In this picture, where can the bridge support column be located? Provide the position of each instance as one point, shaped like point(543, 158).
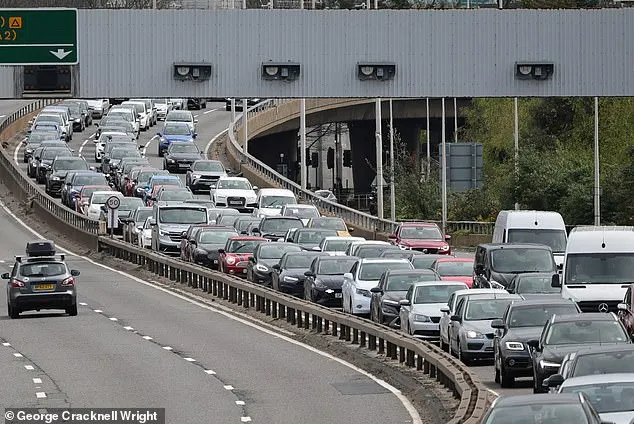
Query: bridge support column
point(409, 131)
point(279, 151)
point(362, 144)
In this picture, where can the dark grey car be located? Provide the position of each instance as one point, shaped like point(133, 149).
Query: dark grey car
point(37, 283)
point(203, 173)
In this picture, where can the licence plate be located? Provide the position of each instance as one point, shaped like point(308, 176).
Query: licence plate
point(183, 165)
point(235, 203)
point(44, 287)
point(338, 295)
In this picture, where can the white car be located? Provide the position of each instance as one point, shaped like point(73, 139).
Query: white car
point(354, 246)
point(100, 144)
point(337, 245)
point(301, 211)
point(163, 107)
point(182, 116)
point(234, 192)
point(271, 200)
point(142, 114)
point(326, 194)
point(145, 236)
point(420, 311)
point(363, 276)
point(97, 200)
point(99, 107)
point(128, 115)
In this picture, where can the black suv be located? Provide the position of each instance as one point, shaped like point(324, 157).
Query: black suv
point(496, 264)
point(41, 280)
point(196, 103)
point(275, 227)
point(522, 321)
point(563, 334)
point(61, 166)
point(180, 156)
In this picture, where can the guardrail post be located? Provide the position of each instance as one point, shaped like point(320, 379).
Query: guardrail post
point(313, 322)
point(306, 320)
point(282, 311)
point(410, 358)
point(362, 340)
point(268, 307)
point(343, 332)
point(355, 336)
point(419, 362)
point(299, 319)
point(292, 316)
point(274, 307)
point(225, 291)
point(401, 354)
point(372, 342)
point(334, 328)
point(381, 346)
point(320, 324)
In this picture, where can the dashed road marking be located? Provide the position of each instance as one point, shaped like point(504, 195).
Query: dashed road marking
point(16, 152)
point(210, 372)
point(83, 145)
point(167, 348)
point(245, 419)
point(190, 359)
point(228, 387)
point(18, 355)
point(113, 319)
point(239, 402)
point(145, 146)
point(2, 116)
point(147, 337)
point(29, 367)
point(40, 395)
point(83, 304)
point(37, 380)
point(98, 311)
point(6, 344)
point(207, 112)
point(128, 328)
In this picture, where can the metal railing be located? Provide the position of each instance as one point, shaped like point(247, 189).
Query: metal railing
point(352, 216)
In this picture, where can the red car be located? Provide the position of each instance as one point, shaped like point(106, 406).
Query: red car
point(84, 194)
point(235, 256)
point(455, 269)
point(424, 237)
point(626, 311)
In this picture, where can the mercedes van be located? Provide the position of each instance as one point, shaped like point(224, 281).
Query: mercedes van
point(598, 267)
point(539, 227)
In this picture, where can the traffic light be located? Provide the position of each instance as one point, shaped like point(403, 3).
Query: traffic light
point(314, 159)
point(330, 158)
point(347, 158)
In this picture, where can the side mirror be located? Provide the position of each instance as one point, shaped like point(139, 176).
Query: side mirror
point(447, 237)
point(456, 318)
point(255, 231)
point(92, 168)
point(392, 236)
point(351, 230)
point(194, 135)
point(554, 380)
point(152, 222)
point(5, 276)
point(479, 269)
point(276, 267)
point(221, 251)
point(347, 276)
point(255, 188)
point(195, 121)
point(212, 187)
point(622, 306)
point(251, 259)
point(193, 242)
point(376, 290)
point(309, 274)
point(74, 272)
point(498, 324)
point(444, 309)
point(534, 344)
point(316, 249)
point(404, 302)
point(555, 282)
point(84, 203)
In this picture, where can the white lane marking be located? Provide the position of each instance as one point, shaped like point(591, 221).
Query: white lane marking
point(37, 380)
point(239, 402)
point(40, 395)
point(196, 116)
point(145, 146)
point(6, 344)
point(2, 261)
point(494, 392)
point(2, 116)
point(212, 110)
point(29, 367)
point(210, 372)
point(245, 419)
point(416, 419)
point(147, 337)
point(83, 145)
point(167, 347)
point(128, 328)
point(18, 355)
point(208, 146)
point(98, 311)
point(83, 304)
point(113, 319)
point(16, 152)
point(190, 359)
point(228, 387)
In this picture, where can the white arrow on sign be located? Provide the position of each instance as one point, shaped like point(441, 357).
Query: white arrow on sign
point(61, 53)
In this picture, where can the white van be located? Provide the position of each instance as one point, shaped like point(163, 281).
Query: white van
point(271, 200)
point(541, 227)
point(598, 267)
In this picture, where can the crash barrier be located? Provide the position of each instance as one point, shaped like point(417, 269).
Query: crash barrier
point(77, 226)
point(352, 217)
point(407, 350)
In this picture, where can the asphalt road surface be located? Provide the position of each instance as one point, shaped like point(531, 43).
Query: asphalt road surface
point(135, 345)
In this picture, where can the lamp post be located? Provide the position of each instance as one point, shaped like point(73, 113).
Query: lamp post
point(302, 137)
point(597, 188)
point(392, 188)
point(444, 170)
point(379, 160)
point(516, 138)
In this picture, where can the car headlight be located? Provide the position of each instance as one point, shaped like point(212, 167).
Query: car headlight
point(421, 318)
point(171, 160)
point(514, 346)
point(444, 248)
point(291, 279)
point(364, 292)
point(162, 139)
point(390, 302)
point(261, 268)
point(29, 150)
point(78, 120)
point(196, 176)
point(163, 233)
point(474, 335)
point(56, 178)
point(404, 247)
point(320, 285)
point(548, 364)
point(231, 260)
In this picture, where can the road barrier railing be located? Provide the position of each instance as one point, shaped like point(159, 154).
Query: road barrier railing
point(397, 346)
point(352, 216)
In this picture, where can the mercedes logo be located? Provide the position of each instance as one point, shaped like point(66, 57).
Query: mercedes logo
point(603, 307)
point(424, 250)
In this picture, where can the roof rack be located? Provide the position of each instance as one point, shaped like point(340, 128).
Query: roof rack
point(60, 257)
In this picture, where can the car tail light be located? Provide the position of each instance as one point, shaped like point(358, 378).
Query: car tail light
point(17, 283)
point(70, 281)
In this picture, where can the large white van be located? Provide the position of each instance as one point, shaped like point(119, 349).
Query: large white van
point(541, 227)
point(598, 267)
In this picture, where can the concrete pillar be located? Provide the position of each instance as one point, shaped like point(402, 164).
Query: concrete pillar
point(363, 151)
point(409, 131)
point(269, 149)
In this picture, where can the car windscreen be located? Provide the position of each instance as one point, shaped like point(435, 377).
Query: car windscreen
point(555, 239)
point(100, 199)
point(124, 153)
point(301, 212)
point(533, 284)
point(183, 148)
point(144, 176)
point(243, 246)
point(66, 164)
point(423, 261)
point(183, 216)
point(86, 192)
point(402, 282)
point(208, 166)
point(243, 224)
point(176, 129)
point(336, 245)
point(518, 260)
point(335, 266)
point(84, 180)
point(604, 268)
point(454, 268)
point(582, 332)
point(607, 397)
point(314, 236)
point(42, 269)
point(130, 203)
point(420, 233)
point(215, 237)
point(373, 271)
point(49, 118)
point(142, 215)
point(279, 225)
point(537, 315)
point(435, 294)
point(179, 116)
point(273, 251)
point(38, 137)
point(330, 224)
point(486, 309)
point(172, 195)
point(166, 181)
point(49, 154)
point(276, 201)
point(234, 185)
point(557, 413)
point(604, 363)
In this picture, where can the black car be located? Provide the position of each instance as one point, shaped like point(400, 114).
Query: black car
point(325, 277)
point(34, 139)
point(275, 227)
point(522, 321)
point(242, 223)
point(425, 261)
point(75, 181)
point(288, 275)
point(310, 238)
point(564, 334)
point(46, 158)
point(180, 156)
point(60, 167)
point(207, 242)
point(203, 173)
point(196, 103)
point(76, 117)
point(392, 288)
point(264, 257)
point(534, 285)
point(565, 408)
point(496, 264)
point(374, 250)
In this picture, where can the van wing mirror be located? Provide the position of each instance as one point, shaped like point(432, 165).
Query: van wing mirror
point(556, 281)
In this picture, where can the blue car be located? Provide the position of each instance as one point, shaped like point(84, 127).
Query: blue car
point(174, 132)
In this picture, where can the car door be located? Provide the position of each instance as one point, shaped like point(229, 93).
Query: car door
point(347, 287)
point(444, 319)
point(478, 267)
point(626, 316)
point(405, 310)
point(454, 326)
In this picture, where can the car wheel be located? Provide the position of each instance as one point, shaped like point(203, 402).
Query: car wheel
point(462, 357)
point(72, 311)
point(14, 313)
point(444, 346)
point(497, 372)
point(506, 380)
point(537, 385)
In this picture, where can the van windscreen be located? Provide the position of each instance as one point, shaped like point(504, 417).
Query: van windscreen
point(602, 268)
point(555, 239)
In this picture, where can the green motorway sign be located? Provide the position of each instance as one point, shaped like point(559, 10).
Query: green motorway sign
point(38, 36)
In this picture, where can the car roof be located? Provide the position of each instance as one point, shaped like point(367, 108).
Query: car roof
point(233, 178)
point(541, 302)
point(439, 283)
point(299, 205)
point(501, 295)
point(268, 218)
point(314, 230)
point(334, 258)
point(114, 193)
point(544, 398)
point(454, 259)
point(325, 218)
point(533, 274)
point(586, 316)
point(352, 239)
point(513, 246)
point(383, 260)
point(595, 379)
point(409, 271)
point(601, 349)
point(418, 224)
point(276, 191)
point(244, 238)
point(479, 291)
